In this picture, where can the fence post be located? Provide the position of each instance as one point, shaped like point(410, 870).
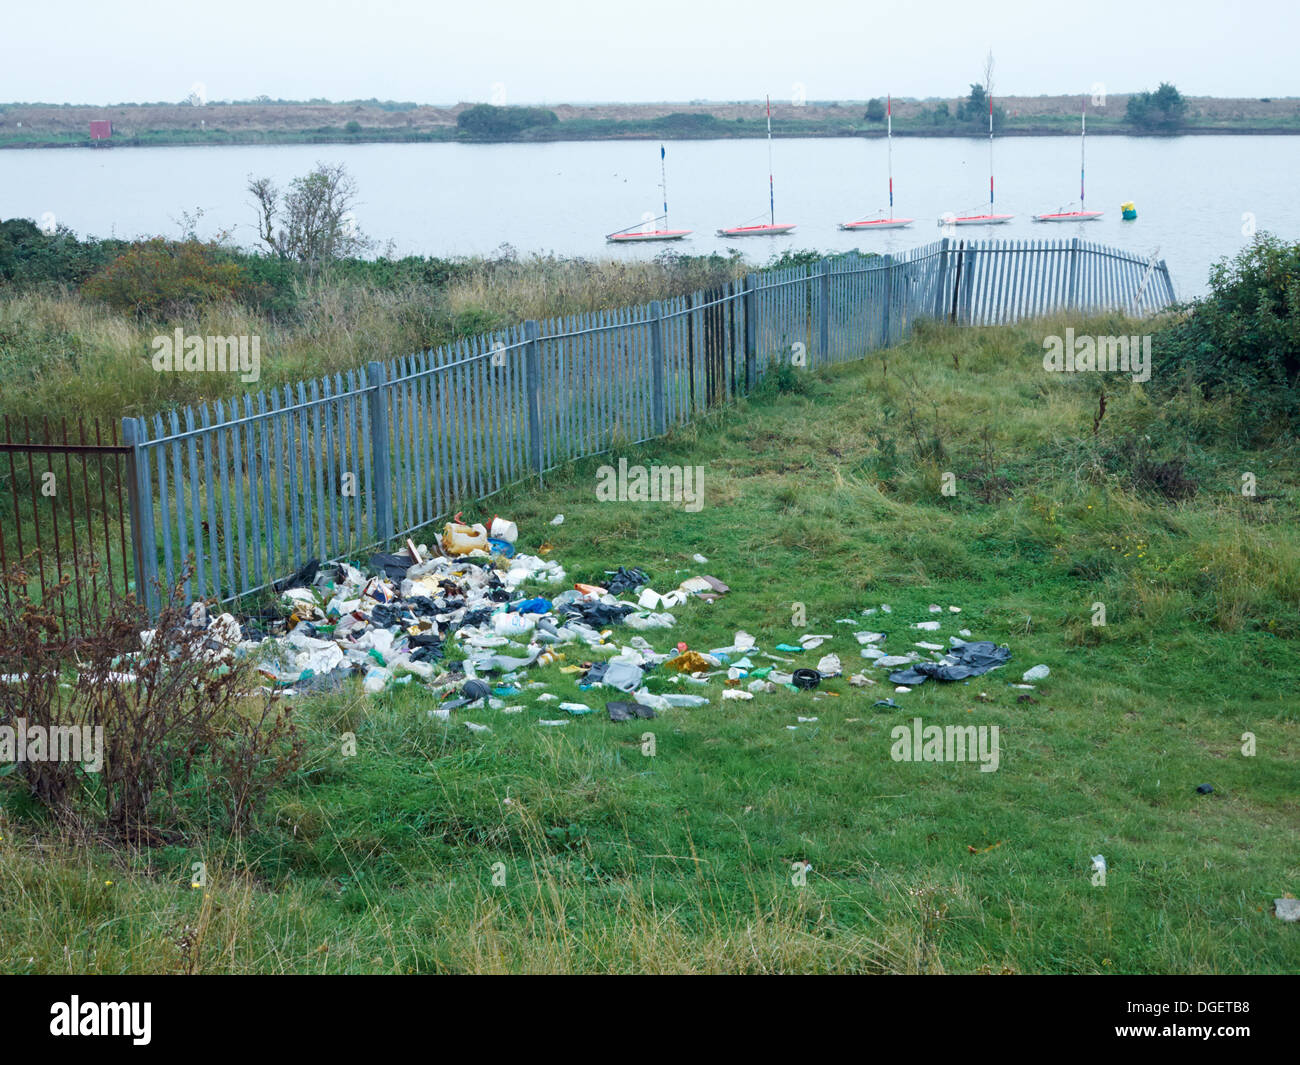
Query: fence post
point(1169, 284)
point(940, 310)
point(533, 384)
point(824, 318)
point(751, 334)
point(658, 388)
point(381, 473)
point(140, 502)
point(886, 323)
point(1072, 294)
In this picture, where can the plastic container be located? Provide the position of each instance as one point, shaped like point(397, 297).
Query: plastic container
point(460, 539)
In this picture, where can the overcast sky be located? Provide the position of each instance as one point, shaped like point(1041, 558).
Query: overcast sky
point(561, 51)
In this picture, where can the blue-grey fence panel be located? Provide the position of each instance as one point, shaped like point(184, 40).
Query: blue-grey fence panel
point(240, 494)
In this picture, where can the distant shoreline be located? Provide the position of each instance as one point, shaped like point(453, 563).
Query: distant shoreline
point(25, 126)
point(218, 140)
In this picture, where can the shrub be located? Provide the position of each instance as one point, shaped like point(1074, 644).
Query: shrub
point(1161, 111)
point(183, 740)
point(158, 278)
point(1243, 338)
point(489, 122)
point(29, 256)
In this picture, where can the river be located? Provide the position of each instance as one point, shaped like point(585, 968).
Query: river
point(1197, 197)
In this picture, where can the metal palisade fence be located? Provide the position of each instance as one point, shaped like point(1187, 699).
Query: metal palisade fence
point(253, 488)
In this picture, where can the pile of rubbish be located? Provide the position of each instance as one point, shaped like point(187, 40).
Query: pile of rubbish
point(467, 617)
point(473, 592)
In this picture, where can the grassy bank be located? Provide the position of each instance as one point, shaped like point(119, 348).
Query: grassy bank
point(64, 354)
point(825, 491)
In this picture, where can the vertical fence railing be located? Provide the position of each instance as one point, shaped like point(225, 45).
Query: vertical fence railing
point(240, 495)
point(67, 502)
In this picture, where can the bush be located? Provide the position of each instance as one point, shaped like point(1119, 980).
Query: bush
point(1243, 339)
point(31, 257)
point(182, 739)
point(158, 278)
point(1161, 111)
point(489, 122)
point(687, 124)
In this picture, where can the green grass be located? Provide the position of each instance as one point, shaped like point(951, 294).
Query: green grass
point(826, 494)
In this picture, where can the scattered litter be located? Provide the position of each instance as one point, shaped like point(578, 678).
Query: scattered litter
point(805, 720)
point(576, 709)
point(968, 660)
point(887, 703)
point(954, 610)
point(1204, 789)
point(1037, 673)
point(558, 519)
point(902, 688)
point(807, 679)
point(676, 699)
point(737, 693)
point(1287, 909)
point(551, 722)
point(474, 726)
point(929, 646)
point(928, 626)
point(829, 666)
point(860, 680)
point(935, 608)
point(692, 662)
point(1099, 864)
point(700, 559)
point(628, 711)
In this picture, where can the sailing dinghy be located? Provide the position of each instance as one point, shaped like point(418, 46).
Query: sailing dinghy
point(772, 228)
point(1082, 214)
point(640, 232)
point(880, 222)
point(990, 218)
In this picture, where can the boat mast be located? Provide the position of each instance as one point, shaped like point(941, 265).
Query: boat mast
point(1083, 141)
point(988, 91)
point(990, 95)
point(889, 141)
point(663, 182)
point(771, 184)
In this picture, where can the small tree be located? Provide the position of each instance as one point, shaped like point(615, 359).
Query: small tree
point(1162, 111)
point(975, 107)
point(317, 209)
point(875, 110)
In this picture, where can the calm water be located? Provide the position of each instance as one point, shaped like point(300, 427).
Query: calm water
point(452, 199)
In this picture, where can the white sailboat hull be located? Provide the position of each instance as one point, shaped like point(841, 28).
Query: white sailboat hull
point(757, 231)
point(876, 223)
point(978, 220)
point(659, 234)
